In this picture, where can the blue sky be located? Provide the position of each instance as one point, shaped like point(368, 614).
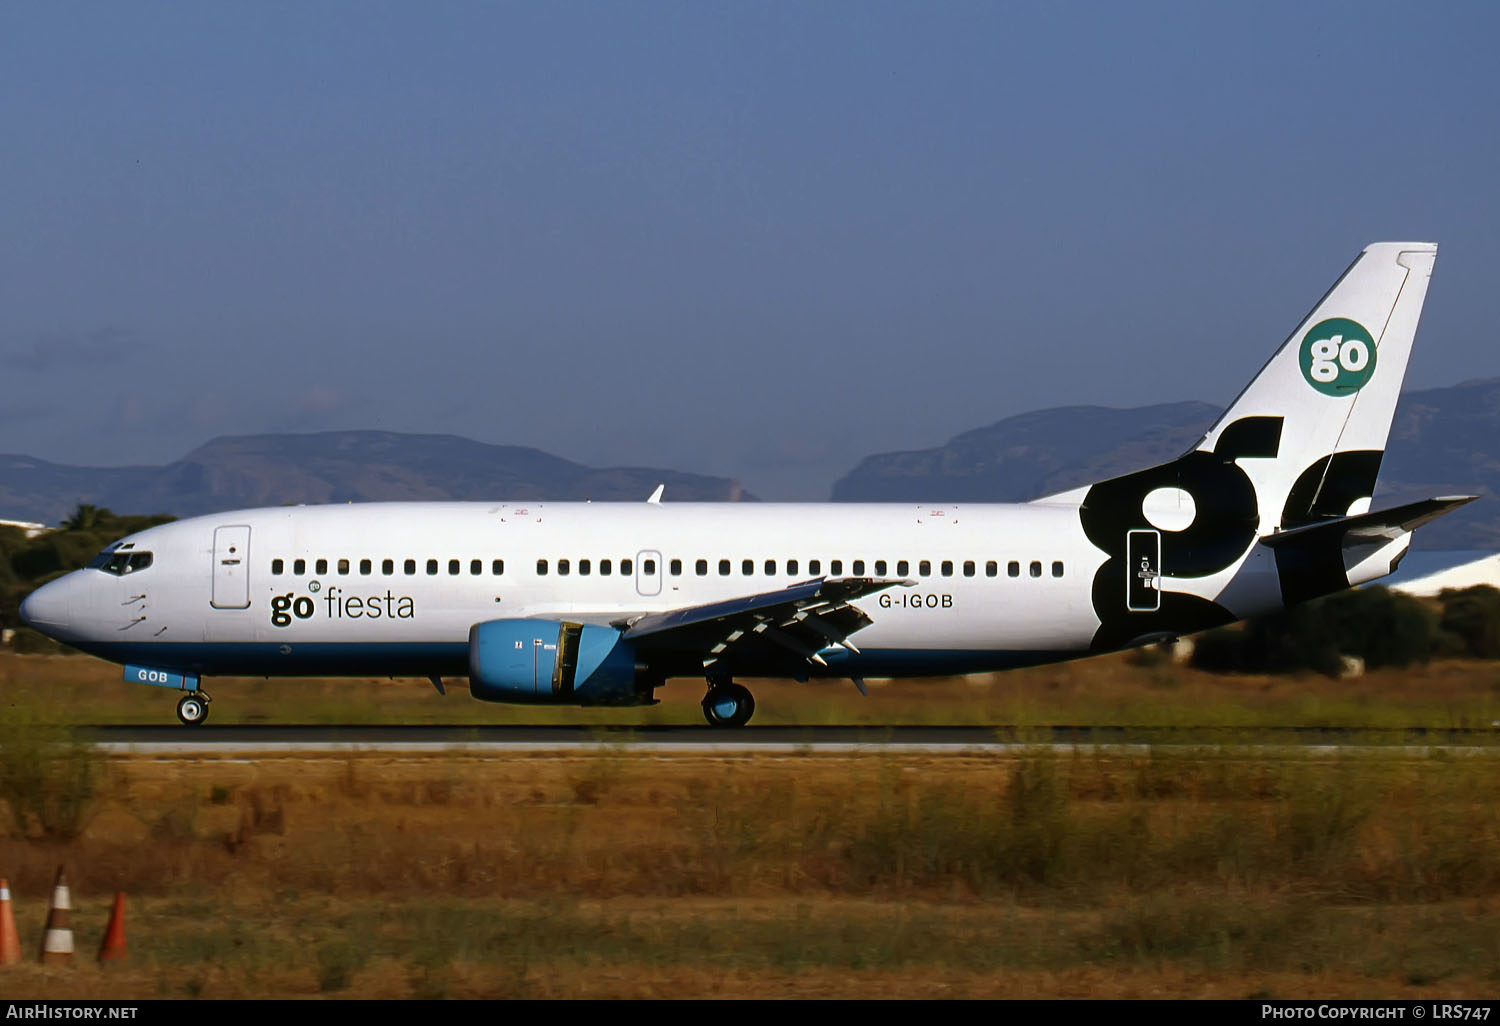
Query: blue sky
point(753, 239)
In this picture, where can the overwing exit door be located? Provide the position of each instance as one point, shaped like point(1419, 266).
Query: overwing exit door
point(648, 573)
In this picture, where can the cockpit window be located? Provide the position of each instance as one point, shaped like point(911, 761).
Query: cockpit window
point(120, 563)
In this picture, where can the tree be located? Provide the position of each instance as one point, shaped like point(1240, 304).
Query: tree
point(86, 517)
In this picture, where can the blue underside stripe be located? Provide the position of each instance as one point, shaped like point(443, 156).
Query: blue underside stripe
point(451, 659)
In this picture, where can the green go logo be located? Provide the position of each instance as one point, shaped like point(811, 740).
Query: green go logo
point(1338, 356)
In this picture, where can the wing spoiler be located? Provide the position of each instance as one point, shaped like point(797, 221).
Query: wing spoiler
point(822, 591)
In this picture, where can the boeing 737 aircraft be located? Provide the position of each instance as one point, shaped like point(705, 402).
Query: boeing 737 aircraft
point(602, 603)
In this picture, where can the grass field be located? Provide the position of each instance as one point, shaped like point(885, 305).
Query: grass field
point(1207, 872)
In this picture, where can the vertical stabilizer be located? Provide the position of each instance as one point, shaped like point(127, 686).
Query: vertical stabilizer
point(1300, 446)
point(1329, 393)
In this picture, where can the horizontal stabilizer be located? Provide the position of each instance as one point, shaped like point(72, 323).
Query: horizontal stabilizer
point(1382, 524)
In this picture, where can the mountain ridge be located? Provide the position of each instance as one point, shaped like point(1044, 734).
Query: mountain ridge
point(1443, 441)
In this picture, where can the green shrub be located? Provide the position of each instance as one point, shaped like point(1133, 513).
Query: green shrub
point(1471, 618)
point(29, 642)
point(48, 777)
point(1382, 627)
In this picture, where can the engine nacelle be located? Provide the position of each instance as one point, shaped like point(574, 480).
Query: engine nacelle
point(552, 662)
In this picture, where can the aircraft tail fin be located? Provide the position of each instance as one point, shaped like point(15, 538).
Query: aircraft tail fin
point(1300, 446)
point(1311, 427)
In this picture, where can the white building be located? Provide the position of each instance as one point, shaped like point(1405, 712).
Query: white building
point(1427, 573)
point(32, 530)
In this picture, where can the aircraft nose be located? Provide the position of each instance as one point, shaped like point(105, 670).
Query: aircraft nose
point(47, 607)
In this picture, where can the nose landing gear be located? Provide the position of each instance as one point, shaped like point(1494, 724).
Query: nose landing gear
point(192, 709)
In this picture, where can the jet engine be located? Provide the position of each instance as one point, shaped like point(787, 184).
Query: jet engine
point(552, 662)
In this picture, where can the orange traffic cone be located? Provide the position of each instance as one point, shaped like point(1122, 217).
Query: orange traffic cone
point(113, 947)
point(57, 941)
point(10, 942)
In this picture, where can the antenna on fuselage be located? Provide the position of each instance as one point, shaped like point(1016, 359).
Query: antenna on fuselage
point(655, 499)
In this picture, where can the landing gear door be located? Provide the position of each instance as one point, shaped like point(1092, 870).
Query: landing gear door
point(231, 567)
point(1143, 571)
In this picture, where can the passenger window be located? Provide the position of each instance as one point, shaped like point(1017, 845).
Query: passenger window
point(1057, 568)
point(299, 567)
point(277, 566)
point(902, 568)
point(388, 566)
point(858, 568)
point(880, 568)
point(1013, 568)
point(625, 568)
point(747, 567)
point(606, 567)
point(815, 567)
point(770, 568)
point(541, 568)
point(968, 568)
point(723, 568)
point(991, 569)
point(321, 566)
point(366, 567)
point(497, 567)
point(476, 567)
point(1036, 568)
point(343, 566)
point(585, 568)
point(924, 568)
point(410, 567)
point(563, 567)
point(791, 567)
point(453, 567)
point(432, 568)
point(649, 567)
point(836, 567)
point(701, 568)
point(676, 567)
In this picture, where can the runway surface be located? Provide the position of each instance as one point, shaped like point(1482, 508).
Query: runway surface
point(267, 738)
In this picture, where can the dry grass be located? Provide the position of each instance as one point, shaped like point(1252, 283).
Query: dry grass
point(620, 874)
point(1208, 873)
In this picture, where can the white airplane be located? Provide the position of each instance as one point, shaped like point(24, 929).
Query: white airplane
point(601, 603)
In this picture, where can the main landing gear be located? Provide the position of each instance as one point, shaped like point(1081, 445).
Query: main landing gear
point(727, 704)
point(192, 709)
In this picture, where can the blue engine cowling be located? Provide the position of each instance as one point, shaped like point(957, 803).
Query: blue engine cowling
point(552, 662)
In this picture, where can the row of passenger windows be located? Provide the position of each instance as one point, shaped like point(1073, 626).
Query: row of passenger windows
point(388, 567)
point(606, 567)
point(857, 567)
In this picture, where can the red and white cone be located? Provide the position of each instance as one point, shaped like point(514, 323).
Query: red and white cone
point(10, 941)
point(57, 941)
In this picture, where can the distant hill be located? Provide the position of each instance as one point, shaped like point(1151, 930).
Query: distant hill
point(337, 466)
point(1030, 455)
point(1444, 441)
